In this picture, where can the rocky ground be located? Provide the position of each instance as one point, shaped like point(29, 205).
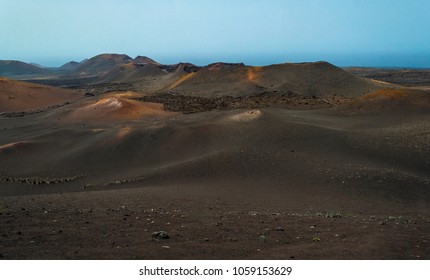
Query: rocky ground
point(194, 104)
point(126, 224)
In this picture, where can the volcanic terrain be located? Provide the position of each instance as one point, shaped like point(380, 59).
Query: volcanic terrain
point(287, 161)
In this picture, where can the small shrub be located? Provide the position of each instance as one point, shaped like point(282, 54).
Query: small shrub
point(333, 215)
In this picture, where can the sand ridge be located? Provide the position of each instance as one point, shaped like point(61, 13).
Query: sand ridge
point(114, 107)
point(246, 116)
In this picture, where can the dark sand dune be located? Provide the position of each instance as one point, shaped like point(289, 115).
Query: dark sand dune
point(216, 181)
point(260, 143)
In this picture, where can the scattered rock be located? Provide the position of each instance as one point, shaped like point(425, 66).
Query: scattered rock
point(160, 235)
point(262, 239)
point(279, 229)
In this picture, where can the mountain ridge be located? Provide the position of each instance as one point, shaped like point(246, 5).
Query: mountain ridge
point(310, 79)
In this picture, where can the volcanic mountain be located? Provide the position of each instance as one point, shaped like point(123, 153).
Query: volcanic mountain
point(11, 68)
point(71, 65)
point(308, 79)
point(102, 63)
point(318, 79)
point(144, 60)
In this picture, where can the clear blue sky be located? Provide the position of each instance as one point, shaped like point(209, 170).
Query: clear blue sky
point(257, 32)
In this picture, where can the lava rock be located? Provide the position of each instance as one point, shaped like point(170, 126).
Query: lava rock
point(262, 239)
point(160, 235)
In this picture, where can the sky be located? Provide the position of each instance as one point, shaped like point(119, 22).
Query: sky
point(385, 33)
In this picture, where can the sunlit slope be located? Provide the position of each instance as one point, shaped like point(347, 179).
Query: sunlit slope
point(15, 95)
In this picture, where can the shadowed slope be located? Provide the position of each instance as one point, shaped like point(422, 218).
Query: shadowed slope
point(11, 68)
point(308, 79)
point(131, 72)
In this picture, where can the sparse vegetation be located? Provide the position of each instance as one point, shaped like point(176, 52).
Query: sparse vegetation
point(333, 215)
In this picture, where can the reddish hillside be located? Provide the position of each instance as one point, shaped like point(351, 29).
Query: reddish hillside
point(102, 63)
point(21, 96)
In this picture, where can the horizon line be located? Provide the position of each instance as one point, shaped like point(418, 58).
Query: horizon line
point(278, 61)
